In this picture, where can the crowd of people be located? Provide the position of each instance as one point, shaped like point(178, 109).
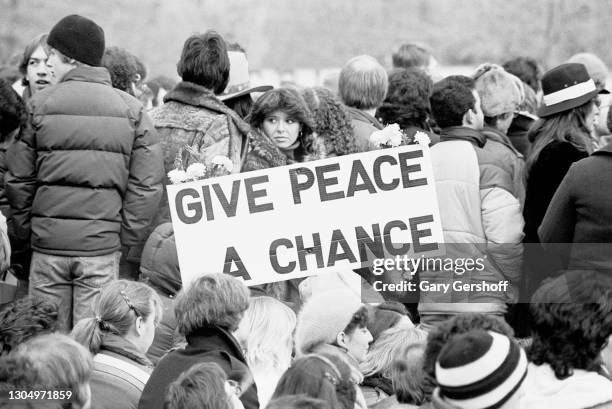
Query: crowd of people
point(88, 147)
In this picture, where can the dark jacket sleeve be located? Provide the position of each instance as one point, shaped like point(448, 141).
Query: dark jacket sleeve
point(144, 187)
point(20, 180)
point(556, 232)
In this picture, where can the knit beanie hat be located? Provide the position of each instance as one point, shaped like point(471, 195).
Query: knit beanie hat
point(480, 370)
point(499, 91)
point(323, 317)
point(78, 38)
point(159, 263)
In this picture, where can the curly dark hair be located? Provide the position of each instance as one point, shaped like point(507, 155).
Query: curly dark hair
point(358, 320)
point(24, 319)
point(289, 101)
point(407, 103)
point(122, 66)
point(527, 69)
point(451, 99)
point(12, 110)
point(332, 122)
point(459, 324)
point(570, 330)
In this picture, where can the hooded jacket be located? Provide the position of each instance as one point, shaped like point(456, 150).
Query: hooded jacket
point(85, 174)
point(481, 220)
point(581, 390)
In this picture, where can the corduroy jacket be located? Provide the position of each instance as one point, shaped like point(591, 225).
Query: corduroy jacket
point(84, 176)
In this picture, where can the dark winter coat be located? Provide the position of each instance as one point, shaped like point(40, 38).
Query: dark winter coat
point(544, 177)
point(84, 177)
point(159, 268)
point(209, 344)
point(580, 214)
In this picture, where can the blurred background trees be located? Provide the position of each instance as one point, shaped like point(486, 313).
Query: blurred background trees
point(290, 34)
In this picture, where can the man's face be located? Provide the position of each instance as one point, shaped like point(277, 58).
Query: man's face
point(477, 114)
point(57, 66)
point(38, 73)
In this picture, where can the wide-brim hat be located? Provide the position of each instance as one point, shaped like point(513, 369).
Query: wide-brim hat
point(566, 87)
point(239, 80)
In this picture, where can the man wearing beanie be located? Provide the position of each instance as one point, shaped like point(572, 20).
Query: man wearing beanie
point(480, 370)
point(84, 177)
point(501, 94)
point(335, 323)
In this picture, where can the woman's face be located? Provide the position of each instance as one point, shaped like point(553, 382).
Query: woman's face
point(282, 129)
point(358, 343)
point(37, 72)
point(593, 115)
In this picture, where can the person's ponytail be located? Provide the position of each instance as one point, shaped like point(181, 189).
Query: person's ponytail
point(88, 332)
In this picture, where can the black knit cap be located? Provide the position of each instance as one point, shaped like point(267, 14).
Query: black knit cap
point(79, 38)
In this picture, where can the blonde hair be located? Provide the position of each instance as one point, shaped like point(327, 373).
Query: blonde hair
point(387, 348)
point(267, 333)
point(116, 310)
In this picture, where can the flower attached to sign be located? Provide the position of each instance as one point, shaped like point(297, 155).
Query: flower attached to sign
point(223, 161)
point(196, 171)
point(392, 136)
point(422, 138)
point(389, 136)
point(177, 176)
point(219, 166)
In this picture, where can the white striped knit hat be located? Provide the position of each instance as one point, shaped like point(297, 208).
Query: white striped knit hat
point(480, 370)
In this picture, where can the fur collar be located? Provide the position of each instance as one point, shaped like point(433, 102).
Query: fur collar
point(196, 95)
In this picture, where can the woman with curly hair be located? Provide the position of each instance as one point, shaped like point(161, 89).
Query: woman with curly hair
point(285, 121)
point(572, 320)
point(407, 102)
point(333, 132)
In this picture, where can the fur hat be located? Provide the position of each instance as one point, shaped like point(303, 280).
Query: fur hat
point(596, 68)
point(480, 369)
point(323, 317)
point(499, 91)
point(78, 38)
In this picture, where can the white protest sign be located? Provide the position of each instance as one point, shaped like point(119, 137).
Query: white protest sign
point(308, 218)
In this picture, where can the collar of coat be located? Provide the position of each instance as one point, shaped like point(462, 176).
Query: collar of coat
point(198, 96)
point(121, 346)
point(214, 338)
point(88, 74)
point(359, 115)
point(606, 150)
point(496, 135)
point(463, 133)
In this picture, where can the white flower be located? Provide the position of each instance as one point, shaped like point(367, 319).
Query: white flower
point(422, 138)
point(378, 138)
point(223, 161)
point(177, 176)
point(390, 135)
point(196, 171)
